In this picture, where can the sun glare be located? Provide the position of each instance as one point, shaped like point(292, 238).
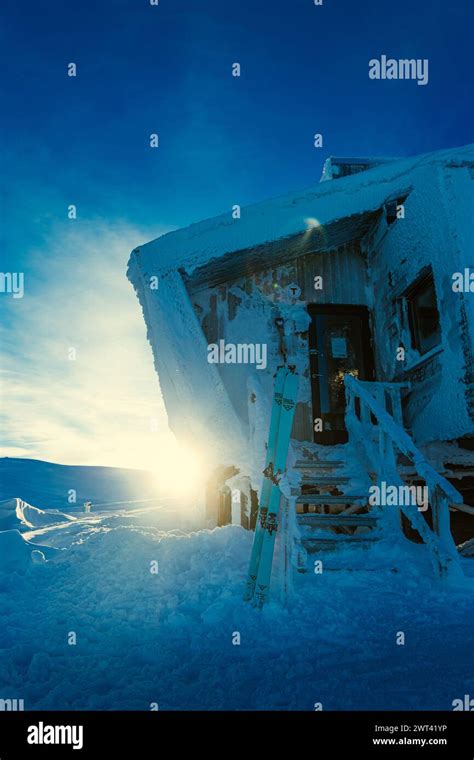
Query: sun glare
point(181, 471)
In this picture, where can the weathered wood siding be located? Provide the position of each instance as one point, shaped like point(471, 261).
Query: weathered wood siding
point(244, 310)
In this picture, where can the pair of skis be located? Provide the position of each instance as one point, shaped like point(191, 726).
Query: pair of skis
point(281, 422)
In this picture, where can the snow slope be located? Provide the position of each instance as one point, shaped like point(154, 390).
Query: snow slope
point(48, 484)
point(167, 637)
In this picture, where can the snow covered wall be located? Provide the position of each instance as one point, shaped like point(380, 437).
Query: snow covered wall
point(435, 233)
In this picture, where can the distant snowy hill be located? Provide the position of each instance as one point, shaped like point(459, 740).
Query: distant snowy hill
point(47, 485)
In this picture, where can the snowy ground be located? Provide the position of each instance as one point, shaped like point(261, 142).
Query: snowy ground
point(167, 637)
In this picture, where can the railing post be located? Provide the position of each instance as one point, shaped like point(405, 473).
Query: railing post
point(350, 409)
point(365, 417)
point(395, 395)
point(379, 393)
point(390, 462)
point(440, 515)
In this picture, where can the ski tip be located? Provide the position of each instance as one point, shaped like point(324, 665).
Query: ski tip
point(258, 601)
point(249, 589)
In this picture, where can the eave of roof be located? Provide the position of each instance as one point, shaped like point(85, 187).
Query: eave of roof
point(287, 216)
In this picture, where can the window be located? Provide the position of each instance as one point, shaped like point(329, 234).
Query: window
point(423, 314)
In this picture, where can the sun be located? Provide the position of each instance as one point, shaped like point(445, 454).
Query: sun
point(181, 470)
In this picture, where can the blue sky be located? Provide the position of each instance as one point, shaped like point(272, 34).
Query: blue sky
point(223, 140)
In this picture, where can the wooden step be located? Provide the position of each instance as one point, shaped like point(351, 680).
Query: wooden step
point(315, 464)
point(321, 499)
point(318, 521)
point(313, 545)
point(324, 480)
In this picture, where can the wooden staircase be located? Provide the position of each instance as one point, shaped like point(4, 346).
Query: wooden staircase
point(325, 513)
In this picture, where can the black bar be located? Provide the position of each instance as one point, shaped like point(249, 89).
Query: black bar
point(151, 734)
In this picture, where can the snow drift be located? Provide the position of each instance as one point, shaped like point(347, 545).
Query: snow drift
point(17, 554)
point(167, 637)
point(16, 513)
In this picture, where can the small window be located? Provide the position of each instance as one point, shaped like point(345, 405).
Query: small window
point(423, 314)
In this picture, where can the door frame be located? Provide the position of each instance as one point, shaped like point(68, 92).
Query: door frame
point(331, 437)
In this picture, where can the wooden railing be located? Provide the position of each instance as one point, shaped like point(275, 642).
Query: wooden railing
point(374, 423)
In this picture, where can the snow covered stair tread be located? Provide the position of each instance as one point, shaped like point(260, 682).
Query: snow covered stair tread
point(318, 520)
point(322, 480)
point(319, 464)
point(322, 498)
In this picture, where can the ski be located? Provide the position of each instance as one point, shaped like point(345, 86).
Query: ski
point(280, 378)
point(287, 414)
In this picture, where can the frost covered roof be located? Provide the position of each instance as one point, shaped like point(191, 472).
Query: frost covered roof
point(334, 165)
point(289, 215)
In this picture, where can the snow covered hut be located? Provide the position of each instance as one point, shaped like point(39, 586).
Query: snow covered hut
point(368, 275)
